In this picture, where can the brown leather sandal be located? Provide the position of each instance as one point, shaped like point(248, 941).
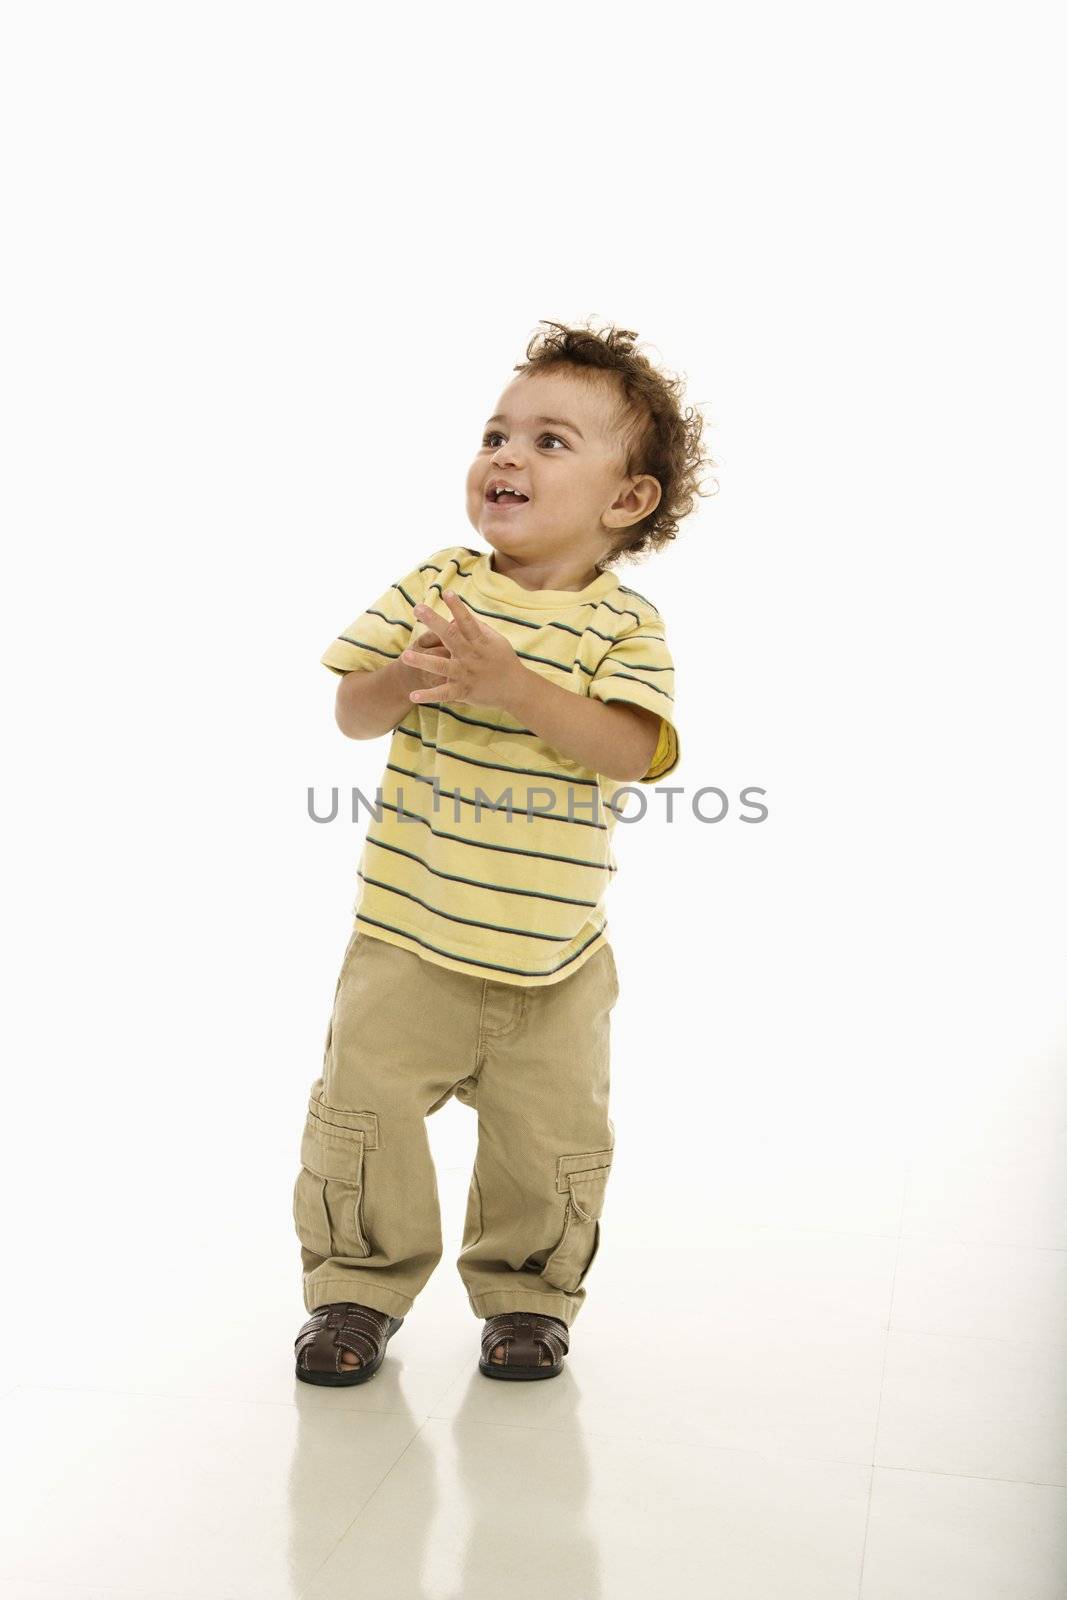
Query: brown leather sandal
point(522, 1334)
point(343, 1326)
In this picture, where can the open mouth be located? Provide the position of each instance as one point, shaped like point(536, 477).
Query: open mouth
point(506, 497)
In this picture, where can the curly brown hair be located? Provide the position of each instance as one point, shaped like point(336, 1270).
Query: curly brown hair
point(656, 435)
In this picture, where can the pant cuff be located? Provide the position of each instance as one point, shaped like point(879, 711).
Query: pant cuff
point(548, 1305)
point(328, 1291)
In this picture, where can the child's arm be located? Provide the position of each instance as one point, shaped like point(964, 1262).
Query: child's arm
point(372, 703)
point(616, 740)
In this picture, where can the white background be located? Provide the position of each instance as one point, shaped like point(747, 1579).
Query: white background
point(267, 270)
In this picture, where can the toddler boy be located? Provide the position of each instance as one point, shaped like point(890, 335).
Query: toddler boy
point(523, 686)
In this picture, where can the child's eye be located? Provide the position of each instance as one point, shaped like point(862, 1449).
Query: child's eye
point(487, 437)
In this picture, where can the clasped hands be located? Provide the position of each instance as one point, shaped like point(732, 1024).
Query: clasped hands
point(476, 663)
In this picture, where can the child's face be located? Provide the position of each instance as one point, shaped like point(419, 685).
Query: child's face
point(571, 470)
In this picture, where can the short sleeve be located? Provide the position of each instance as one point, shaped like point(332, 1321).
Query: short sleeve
point(639, 670)
point(379, 634)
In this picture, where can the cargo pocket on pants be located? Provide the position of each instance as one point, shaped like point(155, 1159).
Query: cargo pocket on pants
point(583, 1179)
point(328, 1196)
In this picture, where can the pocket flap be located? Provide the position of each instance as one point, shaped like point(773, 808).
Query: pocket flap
point(337, 1121)
point(576, 1169)
point(334, 1140)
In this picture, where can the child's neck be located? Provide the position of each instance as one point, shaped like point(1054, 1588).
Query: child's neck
point(494, 566)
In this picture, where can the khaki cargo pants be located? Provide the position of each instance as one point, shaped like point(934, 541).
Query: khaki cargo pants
point(405, 1035)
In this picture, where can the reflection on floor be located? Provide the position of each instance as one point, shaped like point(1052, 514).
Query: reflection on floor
point(842, 1378)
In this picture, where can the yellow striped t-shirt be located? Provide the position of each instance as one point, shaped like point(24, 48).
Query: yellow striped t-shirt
point(445, 872)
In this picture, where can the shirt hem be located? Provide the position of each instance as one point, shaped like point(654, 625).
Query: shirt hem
point(475, 969)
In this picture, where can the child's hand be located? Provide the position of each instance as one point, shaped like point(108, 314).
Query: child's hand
point(428, 644)
point(478, 664)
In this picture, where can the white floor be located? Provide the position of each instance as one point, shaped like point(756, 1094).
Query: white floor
point(851, 1388)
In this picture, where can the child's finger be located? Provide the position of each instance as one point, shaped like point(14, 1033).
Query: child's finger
point(464, 618)
point(428, 662)
point(432, 696)
point(431, 618)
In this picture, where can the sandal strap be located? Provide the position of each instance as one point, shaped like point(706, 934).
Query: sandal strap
point(341, 1326)
point(521, 1332)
